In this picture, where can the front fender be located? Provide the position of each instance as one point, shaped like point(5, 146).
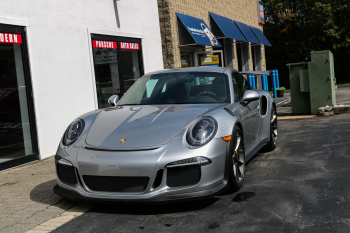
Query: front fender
point(88, 119)
point(226, 119)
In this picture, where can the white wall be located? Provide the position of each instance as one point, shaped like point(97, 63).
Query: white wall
point(59, 53)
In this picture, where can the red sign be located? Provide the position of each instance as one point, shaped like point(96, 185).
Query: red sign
point(10, 38)
point(104, 44)
point(126, 45)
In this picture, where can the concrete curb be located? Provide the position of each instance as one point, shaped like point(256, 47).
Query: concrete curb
point(336, 109)
point(339, 109)
point(62, 219)
point(282, 118)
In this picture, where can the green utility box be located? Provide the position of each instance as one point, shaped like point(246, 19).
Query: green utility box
point(298, 80)
point(312, 84)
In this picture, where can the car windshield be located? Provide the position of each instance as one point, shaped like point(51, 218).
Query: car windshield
point(179, 88)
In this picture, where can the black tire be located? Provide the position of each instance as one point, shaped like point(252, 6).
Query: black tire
point(236, 161)
point(273, 132)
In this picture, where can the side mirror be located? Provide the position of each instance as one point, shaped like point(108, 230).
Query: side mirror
point(250, 96)
point(113, 100)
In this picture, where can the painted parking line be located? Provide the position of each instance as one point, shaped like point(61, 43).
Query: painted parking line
point(283, 101)
point(62, 219)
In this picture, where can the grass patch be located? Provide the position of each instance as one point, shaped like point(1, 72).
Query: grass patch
point(342, 84)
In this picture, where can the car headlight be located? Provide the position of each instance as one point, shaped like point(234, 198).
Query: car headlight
point(202, 131)
point(59, 159)
point(73, 132)
point(203, 161)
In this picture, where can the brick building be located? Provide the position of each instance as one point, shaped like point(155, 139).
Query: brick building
point(241, 53)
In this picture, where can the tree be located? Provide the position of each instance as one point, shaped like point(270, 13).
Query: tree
point(296, 28)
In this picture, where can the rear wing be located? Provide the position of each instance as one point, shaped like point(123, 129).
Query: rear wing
point(268, 73)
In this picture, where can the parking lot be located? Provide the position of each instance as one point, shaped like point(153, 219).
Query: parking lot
point(302, 186)
point(284, 103)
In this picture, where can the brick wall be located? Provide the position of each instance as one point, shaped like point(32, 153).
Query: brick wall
point(245, 11)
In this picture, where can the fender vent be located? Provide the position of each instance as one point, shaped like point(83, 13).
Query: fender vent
point(263, 106)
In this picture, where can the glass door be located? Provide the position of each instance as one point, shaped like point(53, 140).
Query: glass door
point(117, 63)
point(130, 62)
point(209, 58)
point(186, 59)
point(106, 68)
point(16, 117)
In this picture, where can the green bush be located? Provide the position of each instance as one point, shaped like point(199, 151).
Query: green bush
point(280, 88)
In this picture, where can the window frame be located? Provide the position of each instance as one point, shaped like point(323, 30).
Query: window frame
point(117, 39)
point(7, 28)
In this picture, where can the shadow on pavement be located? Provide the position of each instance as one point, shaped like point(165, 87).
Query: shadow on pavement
point(44, 194)
point(154, 209)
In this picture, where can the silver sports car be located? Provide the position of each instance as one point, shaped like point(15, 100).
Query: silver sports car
point(177, 134)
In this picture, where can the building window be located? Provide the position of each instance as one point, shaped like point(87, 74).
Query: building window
point(118, 65)
point(186, 59)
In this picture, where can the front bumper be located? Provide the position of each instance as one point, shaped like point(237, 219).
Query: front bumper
point(144, 163)
point(202, 195)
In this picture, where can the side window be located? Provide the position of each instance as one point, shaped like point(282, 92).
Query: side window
point(238, 85)
point(247, 85)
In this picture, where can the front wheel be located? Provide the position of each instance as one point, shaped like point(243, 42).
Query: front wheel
point(236, 161)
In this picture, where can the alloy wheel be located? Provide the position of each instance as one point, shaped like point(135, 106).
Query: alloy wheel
point(274, 126)
point(238, 159)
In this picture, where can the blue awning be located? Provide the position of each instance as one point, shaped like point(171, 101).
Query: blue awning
point(225, 27)
point(247, 32)
point(194, 31)
point(261, 36)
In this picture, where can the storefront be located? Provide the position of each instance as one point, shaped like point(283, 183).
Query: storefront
point(201, 46)
point(17, 120)
point(230, 37)
point(194, 35)
point(61, 60)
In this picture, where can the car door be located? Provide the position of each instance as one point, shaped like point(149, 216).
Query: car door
point(250, 112)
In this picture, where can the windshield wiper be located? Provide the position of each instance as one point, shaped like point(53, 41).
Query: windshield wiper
point(128, 104)
point(180, 102)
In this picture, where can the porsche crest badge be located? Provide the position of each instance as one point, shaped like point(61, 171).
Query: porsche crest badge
point(123, 140)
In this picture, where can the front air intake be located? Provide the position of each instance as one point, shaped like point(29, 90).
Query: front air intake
point(66, 173)
point(183, 175)
point(116, 183)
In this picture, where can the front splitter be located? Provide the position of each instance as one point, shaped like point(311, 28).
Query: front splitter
point(202, 195)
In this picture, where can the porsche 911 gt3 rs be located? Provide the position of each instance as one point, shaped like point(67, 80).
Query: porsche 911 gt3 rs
point(176, 134)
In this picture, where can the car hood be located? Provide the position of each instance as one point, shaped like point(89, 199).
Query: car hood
point(124, 127)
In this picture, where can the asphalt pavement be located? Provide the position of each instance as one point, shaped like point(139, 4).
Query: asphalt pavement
point(343, 94)
point(302, 186)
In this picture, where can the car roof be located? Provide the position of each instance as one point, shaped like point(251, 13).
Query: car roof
point(192, 69)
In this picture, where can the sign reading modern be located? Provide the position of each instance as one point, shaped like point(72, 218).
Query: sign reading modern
point(10, 38)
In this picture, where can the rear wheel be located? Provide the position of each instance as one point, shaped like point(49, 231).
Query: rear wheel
point(273, 131)
point(236, 161)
